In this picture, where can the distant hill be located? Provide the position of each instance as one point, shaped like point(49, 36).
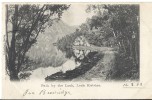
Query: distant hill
point(59, 29)
point(43, 53)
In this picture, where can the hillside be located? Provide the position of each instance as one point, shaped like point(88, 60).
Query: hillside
point(43, 53)
point(59, 29)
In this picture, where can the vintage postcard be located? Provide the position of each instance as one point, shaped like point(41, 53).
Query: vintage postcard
point(77, 51)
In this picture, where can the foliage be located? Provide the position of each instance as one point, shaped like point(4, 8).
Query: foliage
point(121, 22)
point(23, 25)
point(65, 43)
point(114, 26)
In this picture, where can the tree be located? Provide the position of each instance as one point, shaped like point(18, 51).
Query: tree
point(84, 28)
point(125, 24)
point(23, 25)
point(120, 24)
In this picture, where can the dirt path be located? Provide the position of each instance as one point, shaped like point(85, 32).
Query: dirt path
point(103, 70)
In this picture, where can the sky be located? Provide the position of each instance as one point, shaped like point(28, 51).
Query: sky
point(76, 15)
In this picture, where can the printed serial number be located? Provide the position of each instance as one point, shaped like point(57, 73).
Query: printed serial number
point(132, 85)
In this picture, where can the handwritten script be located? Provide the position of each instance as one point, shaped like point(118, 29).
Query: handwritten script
point(47, 92)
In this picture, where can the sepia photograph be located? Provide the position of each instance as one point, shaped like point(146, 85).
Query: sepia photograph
point(72, 42)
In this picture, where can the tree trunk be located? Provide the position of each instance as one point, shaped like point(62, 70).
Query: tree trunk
point(12, 57)
point(14, 76)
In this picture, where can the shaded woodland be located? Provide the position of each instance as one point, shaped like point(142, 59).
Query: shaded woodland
point(115, 26)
